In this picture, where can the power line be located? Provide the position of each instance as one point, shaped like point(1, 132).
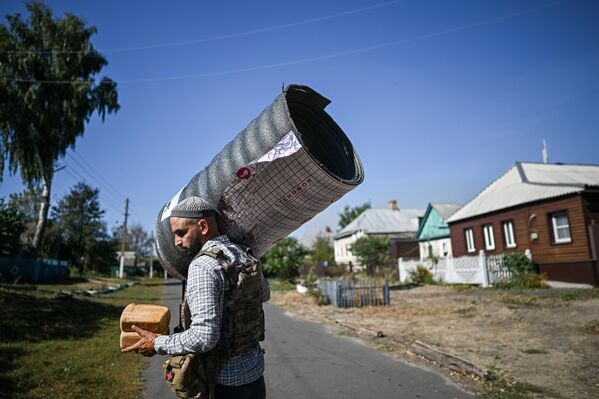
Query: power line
point(116, 197)
point(89, 169)
point(219, 37)
point(77, 177)
point(318, 58)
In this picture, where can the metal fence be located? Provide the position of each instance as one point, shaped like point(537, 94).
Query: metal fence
point(355, 293)
point(33, 270)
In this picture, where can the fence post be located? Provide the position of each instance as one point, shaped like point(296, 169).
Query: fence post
point(482, 263)
point(400, 269)
point(449, 269)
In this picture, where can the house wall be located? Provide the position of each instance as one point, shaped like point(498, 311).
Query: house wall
point(437, 248)
point(342, 251)
point(563, 262)
point(403, 248)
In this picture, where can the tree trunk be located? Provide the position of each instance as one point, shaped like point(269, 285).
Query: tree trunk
point(42, 218)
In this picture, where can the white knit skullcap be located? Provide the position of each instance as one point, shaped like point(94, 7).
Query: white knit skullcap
point(193, 207)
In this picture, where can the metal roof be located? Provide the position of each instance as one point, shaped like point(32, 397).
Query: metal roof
point(446, 210)
point(384, 221)
point(527, 182)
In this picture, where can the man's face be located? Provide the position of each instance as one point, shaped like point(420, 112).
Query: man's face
point(188, 235)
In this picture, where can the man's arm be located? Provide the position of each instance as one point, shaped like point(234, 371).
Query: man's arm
point(205, 290)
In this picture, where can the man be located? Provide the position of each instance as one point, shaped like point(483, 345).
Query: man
point(194, 224)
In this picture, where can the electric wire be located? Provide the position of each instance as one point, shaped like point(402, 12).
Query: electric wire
point(312, 59)
point(219, 37)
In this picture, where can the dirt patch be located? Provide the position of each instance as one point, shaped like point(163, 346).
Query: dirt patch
point(540, 343)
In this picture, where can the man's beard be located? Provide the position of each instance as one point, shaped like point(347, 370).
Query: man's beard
point(191, 252)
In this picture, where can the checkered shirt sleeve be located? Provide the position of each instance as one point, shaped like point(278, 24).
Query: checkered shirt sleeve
point(205, 290)
point(205, 296)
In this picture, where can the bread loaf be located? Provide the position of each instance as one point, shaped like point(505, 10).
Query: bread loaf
point(153, 318)
point(129, 338)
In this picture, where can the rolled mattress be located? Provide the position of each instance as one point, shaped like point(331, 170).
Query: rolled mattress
point(285, 167)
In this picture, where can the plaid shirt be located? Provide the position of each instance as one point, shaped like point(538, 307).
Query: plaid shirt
point(205, 296)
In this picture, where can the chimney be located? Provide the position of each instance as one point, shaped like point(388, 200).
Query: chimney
point(393, 205)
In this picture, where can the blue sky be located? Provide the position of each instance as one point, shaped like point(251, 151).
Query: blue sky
point(438, 97)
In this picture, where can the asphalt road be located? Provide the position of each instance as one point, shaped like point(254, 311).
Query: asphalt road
point(308, 360)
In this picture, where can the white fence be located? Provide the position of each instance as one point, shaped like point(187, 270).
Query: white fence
point(481, 269)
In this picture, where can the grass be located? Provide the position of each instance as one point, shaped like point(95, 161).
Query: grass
point(279, 284)
point(67, 348)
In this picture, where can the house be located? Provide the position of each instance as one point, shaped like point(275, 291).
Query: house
point(433, 234)
point(550, 209)
point(400, 225)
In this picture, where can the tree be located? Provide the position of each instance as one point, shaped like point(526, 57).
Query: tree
point(137, 239)
point(284, 258)
point(349, 214)
point(371, 251)
point(48, 91)
point(28, 203)
point(322, 250)
point(77, 231)
point(13, 223)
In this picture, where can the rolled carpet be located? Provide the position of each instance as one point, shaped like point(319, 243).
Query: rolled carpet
point(285, 167)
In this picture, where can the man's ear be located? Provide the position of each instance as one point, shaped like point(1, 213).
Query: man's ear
point(204, 226)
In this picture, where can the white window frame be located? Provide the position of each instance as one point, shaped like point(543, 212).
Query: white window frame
point(489, 237)
point(508, 234)
point(444, 249)
point(556, 228)
point(469, 233)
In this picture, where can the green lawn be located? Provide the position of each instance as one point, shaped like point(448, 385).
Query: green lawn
point(54, 348)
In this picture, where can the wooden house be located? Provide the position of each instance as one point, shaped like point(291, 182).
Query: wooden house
point(550, 209)
point(433, 235)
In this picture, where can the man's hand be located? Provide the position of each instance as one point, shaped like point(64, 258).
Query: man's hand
point(145, 345)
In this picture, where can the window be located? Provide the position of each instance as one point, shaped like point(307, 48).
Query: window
point(469, 240)
point(489, 238)
point(444, 248)
point(508, 234)
point(560, 227)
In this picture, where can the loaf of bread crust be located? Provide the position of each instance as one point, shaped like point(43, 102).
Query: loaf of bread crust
point(153, 318)
point(129, 338)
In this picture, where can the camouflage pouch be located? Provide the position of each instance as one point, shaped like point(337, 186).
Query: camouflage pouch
point(186, 376)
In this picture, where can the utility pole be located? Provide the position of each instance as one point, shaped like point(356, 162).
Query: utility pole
point(122, 265)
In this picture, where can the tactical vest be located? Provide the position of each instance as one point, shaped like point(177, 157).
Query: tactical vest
point(242, 323)
point(242, 327)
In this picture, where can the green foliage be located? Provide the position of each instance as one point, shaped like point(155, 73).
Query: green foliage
point(12, 224)
point(68, 349)
point(421, 276)
point(523, 273)
point(77, 231)
point(518, 263)
point(28, 203)
point(322, 250)
point(371, 251)
point(280, 285)
point(284, 258)
point(349, 214)
point(525, 280)
point(48, 91)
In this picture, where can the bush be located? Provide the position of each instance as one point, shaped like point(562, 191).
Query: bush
point(518, 263)
point(523, 273)
point(421, 276)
